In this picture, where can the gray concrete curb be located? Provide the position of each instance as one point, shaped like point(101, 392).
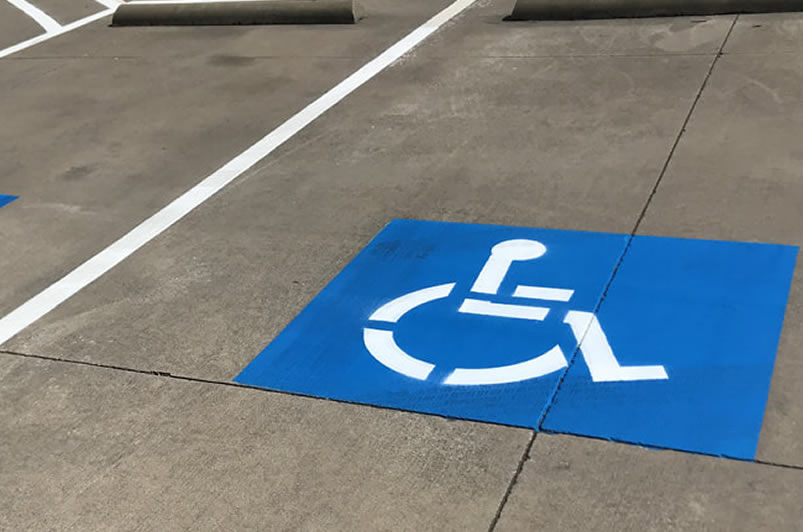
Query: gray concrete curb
point(602, 9)
point(233, 13)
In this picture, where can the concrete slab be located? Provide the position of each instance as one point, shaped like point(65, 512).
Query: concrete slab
point(66, 11)
point(16, 26)
point(103, 175)
point(101, 449)
point(736, 176)
point(124, 135)
point(571, 483)
point(493, 37)
point(544, 142)
point(767, 34)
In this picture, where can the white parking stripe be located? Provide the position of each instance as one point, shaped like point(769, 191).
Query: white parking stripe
point(61, 31)
point(503, 310)
point(158, 2)
point(43, 19)
point(543, 292)
point(111, 4)
point(96, 266)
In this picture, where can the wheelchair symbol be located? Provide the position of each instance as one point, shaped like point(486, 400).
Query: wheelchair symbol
point(592, 342)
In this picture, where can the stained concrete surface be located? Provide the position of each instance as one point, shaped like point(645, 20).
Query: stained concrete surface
point(101, 177)
point(95, 143)
point(580, 484)
point(767, 34)
point(16, 26)
point(490, 36)
point(96, 449)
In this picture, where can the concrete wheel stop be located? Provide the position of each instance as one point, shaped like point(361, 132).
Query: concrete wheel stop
point(242, 12)
point(610, 9)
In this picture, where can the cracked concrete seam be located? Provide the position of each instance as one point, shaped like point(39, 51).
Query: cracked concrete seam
point(642, 214)
point(231, 384)
point(513, 481)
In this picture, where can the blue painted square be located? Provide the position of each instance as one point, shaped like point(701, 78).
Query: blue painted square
point(5, 199)
point(342, 346)
point(505, 324)
point(711, 314)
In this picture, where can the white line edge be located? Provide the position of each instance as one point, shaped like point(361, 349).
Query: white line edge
point(392, 311)
point(543, 293)
point(48, 23)
point(111, 4)
point(5, 52)
point(503, 310)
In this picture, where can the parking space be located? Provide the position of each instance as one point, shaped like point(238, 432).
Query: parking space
point(122, 396)
point(120, 127)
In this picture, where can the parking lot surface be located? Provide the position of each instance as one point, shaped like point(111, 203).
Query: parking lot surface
point(118, 408)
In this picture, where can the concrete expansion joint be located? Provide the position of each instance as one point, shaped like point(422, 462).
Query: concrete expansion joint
point(525, 457)
point(793, 467)
point(576, 351)
point(230, 384)
point(154, 373)
point(513, 481)
point(641, 217)
point(683, 129)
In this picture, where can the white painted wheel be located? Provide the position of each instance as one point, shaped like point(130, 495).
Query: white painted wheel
point(383, 347)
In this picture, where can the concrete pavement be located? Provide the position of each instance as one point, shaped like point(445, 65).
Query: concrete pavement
point(15, 26)
point(572, 483)
point(128, 419)
point(100, 449)
point(66, 11)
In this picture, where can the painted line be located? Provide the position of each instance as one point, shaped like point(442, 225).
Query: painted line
point(503, 310)
point(5, 199)
point(70, 284)
point(503, 255)
point(550, 362)
point(599, 357)
point(48, 23)
point(383, 348)
point(543, 292)
point(392, 311)
point(5, 52)
point(170, 2)
point(111, 4)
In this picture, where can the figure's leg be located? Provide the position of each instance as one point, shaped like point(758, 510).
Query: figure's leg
point(599, 356)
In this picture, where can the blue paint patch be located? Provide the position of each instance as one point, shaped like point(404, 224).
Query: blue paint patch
point(5, 199)
point(484, 322)
point(323, 351)
point(711, 314)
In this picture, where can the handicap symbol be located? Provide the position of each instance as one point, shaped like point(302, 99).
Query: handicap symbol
point(592, 342)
